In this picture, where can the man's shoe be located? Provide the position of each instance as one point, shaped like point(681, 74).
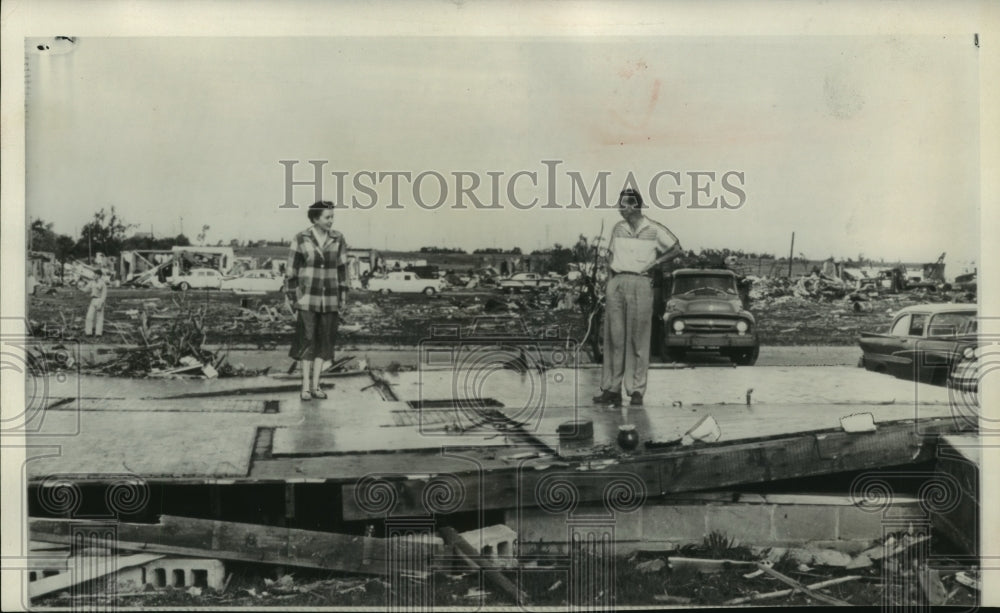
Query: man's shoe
point(636, 399)
point(607, 398)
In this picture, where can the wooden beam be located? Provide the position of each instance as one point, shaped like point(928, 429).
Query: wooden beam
point(779, 593)
point(699, 467)
point(795, 585)
point(235, 541)
point(468, 554)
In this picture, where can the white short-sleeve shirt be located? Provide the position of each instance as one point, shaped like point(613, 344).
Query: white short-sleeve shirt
point(635, 250)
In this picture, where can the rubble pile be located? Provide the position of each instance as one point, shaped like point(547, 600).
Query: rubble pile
point(173, 349)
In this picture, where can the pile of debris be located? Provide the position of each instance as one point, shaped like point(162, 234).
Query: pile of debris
point(174, 350)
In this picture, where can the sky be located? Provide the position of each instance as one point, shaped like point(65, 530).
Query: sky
point(858, 144)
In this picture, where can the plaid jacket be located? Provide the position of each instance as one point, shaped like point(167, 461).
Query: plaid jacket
point(317, 274)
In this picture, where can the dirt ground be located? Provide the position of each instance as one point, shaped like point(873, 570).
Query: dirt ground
point(399, 320)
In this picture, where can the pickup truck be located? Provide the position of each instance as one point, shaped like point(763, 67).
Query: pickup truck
point(703, 311)
point(923, 343)
point(528, 281)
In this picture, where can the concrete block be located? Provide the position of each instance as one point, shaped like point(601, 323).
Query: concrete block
point(498, 543)
point(683, 523)
point(175, 573)
point(805, 522)
point(534, 524)
point(747, 523)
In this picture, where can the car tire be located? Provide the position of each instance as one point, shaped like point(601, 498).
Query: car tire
point(385, 290)
point(429, 291)
point(675, 354)
point(746, 357)
point(183, 286)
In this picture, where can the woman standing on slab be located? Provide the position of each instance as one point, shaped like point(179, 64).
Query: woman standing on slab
point(316, 286)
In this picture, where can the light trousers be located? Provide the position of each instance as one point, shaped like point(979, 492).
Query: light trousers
point(95, 319)
point(628, 322)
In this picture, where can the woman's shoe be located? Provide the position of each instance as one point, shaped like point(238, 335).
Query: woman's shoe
point(318, 394)
point(306, 396)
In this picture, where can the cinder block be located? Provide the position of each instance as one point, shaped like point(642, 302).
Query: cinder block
point(674, 523)
point(534, 524)
point(177, 573)
point(747, 523)
point(805, 522)
point(497, 542)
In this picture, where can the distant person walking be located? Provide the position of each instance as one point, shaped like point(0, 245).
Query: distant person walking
point(638, 244)
point(98, 287)
point(316, 286)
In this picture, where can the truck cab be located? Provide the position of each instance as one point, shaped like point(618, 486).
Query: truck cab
point(703, 310)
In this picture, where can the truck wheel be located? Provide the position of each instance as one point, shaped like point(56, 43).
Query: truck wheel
point(429, 291)
point(184, 286)
point(746, 357)
point(675, 354)
point(385, 290)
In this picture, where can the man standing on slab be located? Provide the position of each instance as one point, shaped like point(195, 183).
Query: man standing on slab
point(638, 245)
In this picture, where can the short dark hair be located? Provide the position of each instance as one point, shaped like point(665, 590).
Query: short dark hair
point(317, 209)
point(99, 272)
point(632, 194)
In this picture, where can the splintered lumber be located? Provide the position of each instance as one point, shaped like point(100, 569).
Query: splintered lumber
point(87, 570)
point(778, 594)
point(468, 555)
point(798, 587)
point(225, 540)
point(688, 469)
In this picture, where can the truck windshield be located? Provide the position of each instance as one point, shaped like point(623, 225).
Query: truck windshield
point(709, 283)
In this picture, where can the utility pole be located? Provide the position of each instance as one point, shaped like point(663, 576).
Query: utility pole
point(791, 250)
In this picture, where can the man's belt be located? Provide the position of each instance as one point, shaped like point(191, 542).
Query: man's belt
point(636, 274)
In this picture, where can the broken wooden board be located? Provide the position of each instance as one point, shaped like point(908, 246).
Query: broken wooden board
point(698, 467)
point(247, 542)
point(80, 570)
point(142, 443)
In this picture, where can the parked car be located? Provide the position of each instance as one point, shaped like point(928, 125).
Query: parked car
point(528, 281)
point(197, 278)
point(964, 376)
point(405, 282)
point(924, 342)
point(261, 280)
point(703, 311)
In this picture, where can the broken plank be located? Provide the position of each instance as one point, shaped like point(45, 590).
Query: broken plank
point(468, 555)
point(801, 455)
point(795, 585)
point(618, 484)
point(81, 570)
point(779, 593)
point(237, 541)
point(678, 470)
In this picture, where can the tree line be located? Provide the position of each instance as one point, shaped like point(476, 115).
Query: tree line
point(105, 233)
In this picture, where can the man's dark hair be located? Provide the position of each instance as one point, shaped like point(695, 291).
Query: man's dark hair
point(630, 193)
point(317, 209)
point(99, 272)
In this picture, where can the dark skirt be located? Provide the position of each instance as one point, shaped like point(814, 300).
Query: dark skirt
point(315, 334)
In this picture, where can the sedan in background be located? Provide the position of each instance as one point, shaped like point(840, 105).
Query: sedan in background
point(197, 278)
point(924, 342)
point(254, 281)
